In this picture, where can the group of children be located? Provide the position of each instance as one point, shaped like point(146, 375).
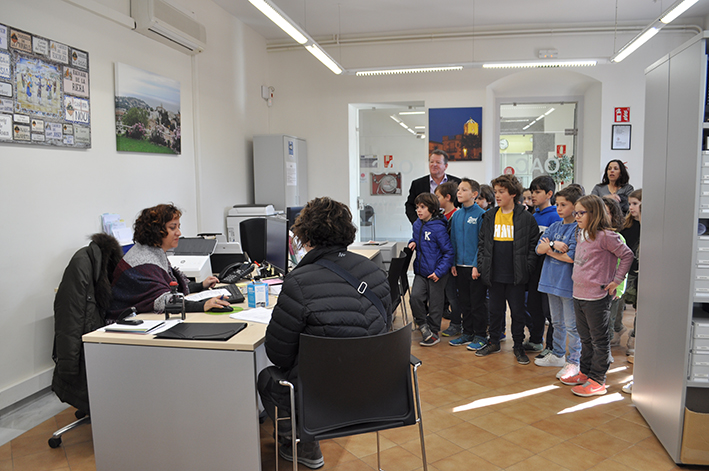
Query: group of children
point(562, 263)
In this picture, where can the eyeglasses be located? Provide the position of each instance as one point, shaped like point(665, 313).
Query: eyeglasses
point(579, 214)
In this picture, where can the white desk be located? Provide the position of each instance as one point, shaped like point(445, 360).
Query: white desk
point(174, 405)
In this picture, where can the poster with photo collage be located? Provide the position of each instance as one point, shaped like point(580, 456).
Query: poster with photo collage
point(44, 91)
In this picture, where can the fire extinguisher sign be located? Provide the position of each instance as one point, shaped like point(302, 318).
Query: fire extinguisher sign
point(622, 115)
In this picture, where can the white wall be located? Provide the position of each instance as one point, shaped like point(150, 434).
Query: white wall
point(52, 198)
point(311, 102)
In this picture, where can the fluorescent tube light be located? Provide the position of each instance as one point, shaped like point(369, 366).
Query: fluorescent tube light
point(549, 112)
point(674, 12)
point(414, 70)
point(323, 57)
point(635, 43)
point(544, 63)
point(412, 112)
point(420, 127)
point(282, 21)
point(395, 118)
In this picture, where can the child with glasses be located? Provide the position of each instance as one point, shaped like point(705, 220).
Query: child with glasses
point(596, 276)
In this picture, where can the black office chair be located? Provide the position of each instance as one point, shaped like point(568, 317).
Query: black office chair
point(396, 266)
point(253, 238)
point(367, 219)
point(407, 253)
point(80, 306)
point(345, 388)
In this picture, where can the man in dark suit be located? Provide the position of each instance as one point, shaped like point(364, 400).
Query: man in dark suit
point(437, 165)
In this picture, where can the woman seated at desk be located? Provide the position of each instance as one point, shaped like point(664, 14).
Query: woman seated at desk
point(142, 278)
point(317, 301)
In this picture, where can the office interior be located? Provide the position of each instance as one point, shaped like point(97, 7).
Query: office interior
point(53, 197)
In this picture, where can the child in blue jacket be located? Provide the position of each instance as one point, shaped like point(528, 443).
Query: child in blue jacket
point(434, 258)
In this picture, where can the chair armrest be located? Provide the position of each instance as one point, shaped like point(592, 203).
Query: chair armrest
point(415, 361)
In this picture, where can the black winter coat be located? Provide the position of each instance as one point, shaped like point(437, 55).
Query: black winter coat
point(316, 301)
point(525, 243)
point(80, 306)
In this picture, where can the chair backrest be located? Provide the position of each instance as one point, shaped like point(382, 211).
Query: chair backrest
point(354, 385)
point(253, 238)
point(365, 215)
point(395, 267)
point(404, 275)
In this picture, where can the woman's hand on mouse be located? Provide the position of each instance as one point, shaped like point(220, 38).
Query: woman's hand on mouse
point(217, 302)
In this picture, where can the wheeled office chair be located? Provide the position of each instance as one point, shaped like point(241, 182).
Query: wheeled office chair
point(348, 386)
point(80, 306)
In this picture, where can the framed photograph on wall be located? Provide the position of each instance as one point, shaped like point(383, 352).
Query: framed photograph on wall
point(621, 137)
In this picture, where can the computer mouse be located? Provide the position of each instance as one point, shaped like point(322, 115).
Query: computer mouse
point(222, 309)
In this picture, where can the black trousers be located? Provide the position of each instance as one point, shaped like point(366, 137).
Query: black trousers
point(592, 319)
point(500, 295)
point(538, 308)
point(472, 299)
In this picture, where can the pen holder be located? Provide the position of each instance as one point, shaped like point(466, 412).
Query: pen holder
point(175, 305)
point(257, 294)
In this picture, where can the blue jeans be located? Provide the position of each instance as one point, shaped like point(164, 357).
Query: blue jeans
point(563, 318)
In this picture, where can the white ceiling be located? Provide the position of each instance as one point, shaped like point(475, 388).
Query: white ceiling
point(368, 18)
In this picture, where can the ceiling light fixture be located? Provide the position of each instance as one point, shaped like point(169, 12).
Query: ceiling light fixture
point(541, 64)
point(282, 20)
point(411, 112)
point(675, 10)
point(410, 70)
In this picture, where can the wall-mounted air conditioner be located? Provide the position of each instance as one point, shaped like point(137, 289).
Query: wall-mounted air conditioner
point(163, 22)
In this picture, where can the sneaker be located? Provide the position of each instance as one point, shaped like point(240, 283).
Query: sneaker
point(544, 353)
point(589, 388)
point(488, 349)
point(615, 341)
point(569, 369)
point(631, 346)
point(532, 347)
point(425, 331)
point(521, 357)
point(477, 343)
point(309, 454)
point(627, 388)
point(503, 337)
point(574, 380)
point(452, 330)
point(461, 341)
point(550, 360)
point(431, 341)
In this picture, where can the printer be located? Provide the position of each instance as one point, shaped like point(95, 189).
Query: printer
point(192, 257)
point(241, 212)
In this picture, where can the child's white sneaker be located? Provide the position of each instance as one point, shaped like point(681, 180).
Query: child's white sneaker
point(569, 369)
point(550, 360)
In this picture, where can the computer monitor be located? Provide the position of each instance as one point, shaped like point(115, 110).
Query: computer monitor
point(292, 212)
point(277, 243)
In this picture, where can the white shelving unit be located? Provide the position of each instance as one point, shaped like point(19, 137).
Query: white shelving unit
point(674, 265)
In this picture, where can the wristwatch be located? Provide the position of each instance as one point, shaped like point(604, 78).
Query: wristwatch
point(551, 245)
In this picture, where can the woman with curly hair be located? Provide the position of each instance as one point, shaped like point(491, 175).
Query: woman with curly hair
point(142, 278)
point(615, 182)
point(315, 300)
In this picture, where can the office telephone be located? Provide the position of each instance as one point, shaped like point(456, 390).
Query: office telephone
point(235, 272)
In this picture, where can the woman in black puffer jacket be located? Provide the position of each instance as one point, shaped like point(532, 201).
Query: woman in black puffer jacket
point(315, 300)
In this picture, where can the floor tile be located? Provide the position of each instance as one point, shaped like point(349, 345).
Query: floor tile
point(501, 452)
point(572, 456)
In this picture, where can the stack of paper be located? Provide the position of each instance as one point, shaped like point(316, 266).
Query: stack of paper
point(145, 327)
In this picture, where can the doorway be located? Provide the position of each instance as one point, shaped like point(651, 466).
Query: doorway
point(390, 149)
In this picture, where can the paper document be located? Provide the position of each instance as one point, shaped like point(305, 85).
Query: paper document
point(144, 327)
point(259, 314)
point(208, 293)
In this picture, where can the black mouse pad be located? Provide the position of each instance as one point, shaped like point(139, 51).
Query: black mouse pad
point(203, 331)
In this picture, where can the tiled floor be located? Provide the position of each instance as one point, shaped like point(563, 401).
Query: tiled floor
point(509, 417)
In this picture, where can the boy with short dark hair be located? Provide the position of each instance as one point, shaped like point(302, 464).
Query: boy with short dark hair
point(506, 257)
point(465, 236)
point(559, 244)
point(545, 214)
point(434, 257)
